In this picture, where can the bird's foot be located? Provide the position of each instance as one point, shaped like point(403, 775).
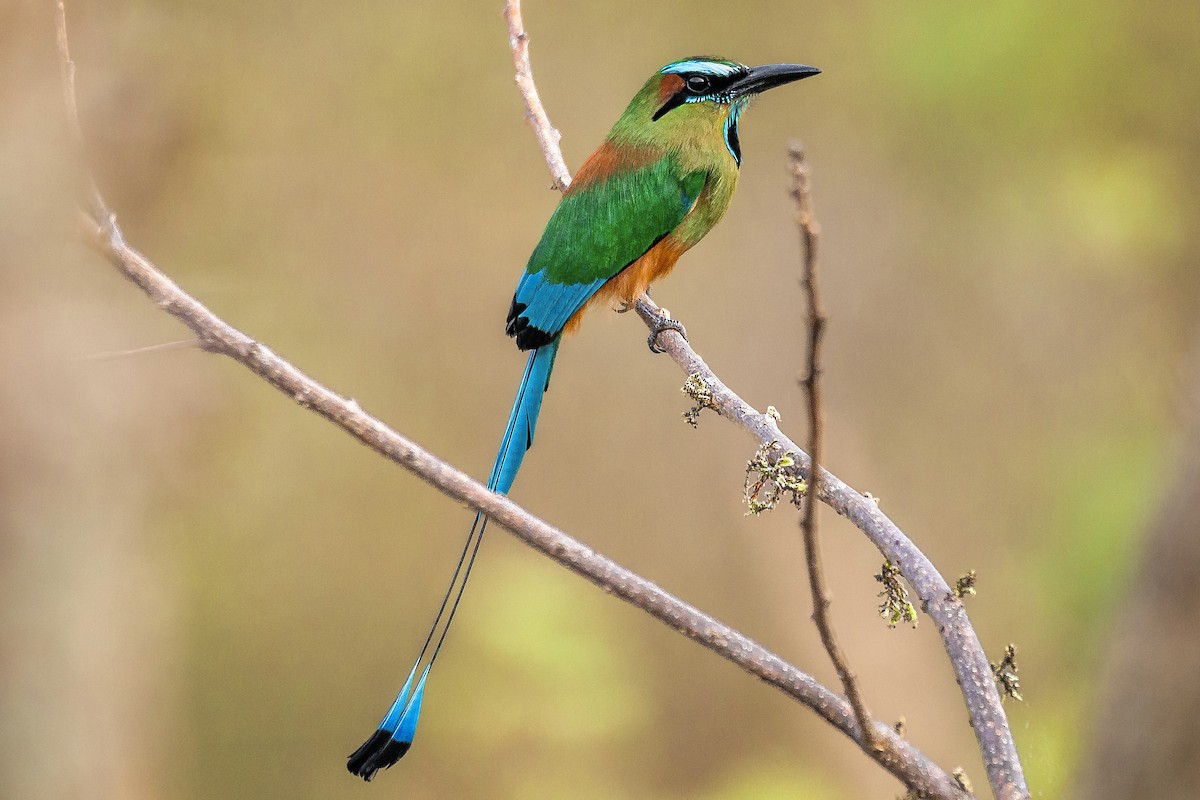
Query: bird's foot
point(630, 305)
point(663, 322)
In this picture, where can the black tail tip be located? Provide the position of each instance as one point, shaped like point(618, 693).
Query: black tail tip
point(379, 752)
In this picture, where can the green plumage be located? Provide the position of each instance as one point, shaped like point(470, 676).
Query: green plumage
point(663, 177)
point(598, 231)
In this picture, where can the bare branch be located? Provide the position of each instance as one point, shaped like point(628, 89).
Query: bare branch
point(983, 704)
point(903, 760)
point(547, 135)
point(95, 202)
point(962, 645)
point(971, 666)
point(899, 757)
point(809, 232)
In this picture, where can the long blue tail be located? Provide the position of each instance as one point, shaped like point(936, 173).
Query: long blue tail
point(395, 734)
point(522, 422)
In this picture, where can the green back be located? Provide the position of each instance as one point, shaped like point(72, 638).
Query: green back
point(602, 228)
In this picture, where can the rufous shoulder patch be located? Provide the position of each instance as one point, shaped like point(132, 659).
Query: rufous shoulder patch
point(608, 160)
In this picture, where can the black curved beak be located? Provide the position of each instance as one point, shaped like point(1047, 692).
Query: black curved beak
point(768, 76)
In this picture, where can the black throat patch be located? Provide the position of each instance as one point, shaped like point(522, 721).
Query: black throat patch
point(732, 141)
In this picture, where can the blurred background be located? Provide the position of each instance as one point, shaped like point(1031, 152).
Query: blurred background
point(206, 591)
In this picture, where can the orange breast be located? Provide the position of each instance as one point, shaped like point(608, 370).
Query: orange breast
point(630, 283)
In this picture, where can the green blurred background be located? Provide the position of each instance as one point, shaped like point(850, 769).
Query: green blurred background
point(207, 592)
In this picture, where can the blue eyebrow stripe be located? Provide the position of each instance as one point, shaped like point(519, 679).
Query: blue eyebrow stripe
point(716, 68)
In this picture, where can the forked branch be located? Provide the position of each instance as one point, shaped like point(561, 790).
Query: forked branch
point(909, 765)
point(971, 666)
point(217, 336)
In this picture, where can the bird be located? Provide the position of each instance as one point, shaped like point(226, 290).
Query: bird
point(662, 178)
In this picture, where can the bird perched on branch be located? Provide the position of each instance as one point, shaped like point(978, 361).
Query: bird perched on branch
point(654, 188)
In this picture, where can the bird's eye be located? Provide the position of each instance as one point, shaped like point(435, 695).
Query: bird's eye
point(697, 84)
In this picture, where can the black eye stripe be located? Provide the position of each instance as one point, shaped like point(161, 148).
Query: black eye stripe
point(715, 84)
point(714, 87)
point(674, 101)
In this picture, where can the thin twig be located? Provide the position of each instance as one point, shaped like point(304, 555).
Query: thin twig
point(95, 202)
point(903, 760)
point(971, 666)
point(112, 355)
point(809, 233)
point(547, 135)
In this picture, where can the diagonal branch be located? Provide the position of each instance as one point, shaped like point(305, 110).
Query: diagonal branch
point(816, 424)
point(966, 654)
point(215, 335)
point(900, 758)
point(547, 135)
point(971, 667)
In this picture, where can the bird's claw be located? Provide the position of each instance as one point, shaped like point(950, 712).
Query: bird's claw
point(663, 322)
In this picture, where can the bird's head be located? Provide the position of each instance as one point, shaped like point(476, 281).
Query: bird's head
point(693, 96)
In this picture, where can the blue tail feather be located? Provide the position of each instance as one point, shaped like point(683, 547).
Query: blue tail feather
point(408, 722)
point(392, 719)
point(395, 734)
point(522, 421)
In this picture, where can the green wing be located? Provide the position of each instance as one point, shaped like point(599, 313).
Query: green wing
point(597, 231)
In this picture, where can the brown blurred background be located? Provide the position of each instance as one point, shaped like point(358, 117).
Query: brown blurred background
point(207, 592)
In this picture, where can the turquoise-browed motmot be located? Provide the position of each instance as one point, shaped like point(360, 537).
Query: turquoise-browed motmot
point(658, 184)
